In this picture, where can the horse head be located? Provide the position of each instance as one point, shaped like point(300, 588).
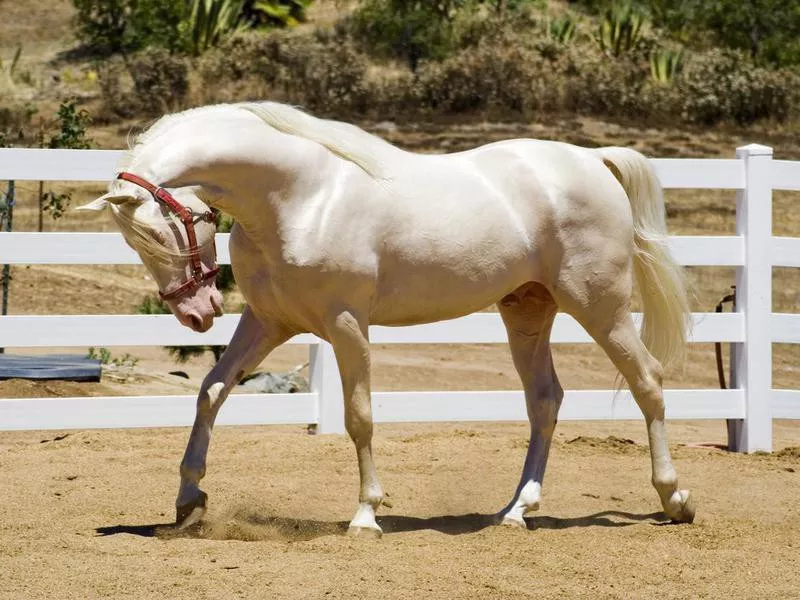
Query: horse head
point(173, 233)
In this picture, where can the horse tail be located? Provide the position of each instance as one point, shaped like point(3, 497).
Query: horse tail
point(661, 281)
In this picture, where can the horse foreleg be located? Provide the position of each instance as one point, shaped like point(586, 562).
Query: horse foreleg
point(350, 342)
point(250, 343)
point(528, 315)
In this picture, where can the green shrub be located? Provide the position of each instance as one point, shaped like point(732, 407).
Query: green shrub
point(391, 93)
point(406, 30)
point(243, 56)
point(600, 85)
point(160, 81)
point(111, 26)
point(16, 124)
point(124, 26)
point(504, 79)
point(724, 85)
point(325, 73)
point(116, 90)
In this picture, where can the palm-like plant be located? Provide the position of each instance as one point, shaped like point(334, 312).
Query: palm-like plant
point(665, 64)
point(7, 72)
point(279, 13)
point(562, 29)
point(210, 21)
point(621, 27)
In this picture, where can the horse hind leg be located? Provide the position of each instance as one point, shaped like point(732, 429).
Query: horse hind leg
point(528, 314)
point(608, 320)
point(350, 340)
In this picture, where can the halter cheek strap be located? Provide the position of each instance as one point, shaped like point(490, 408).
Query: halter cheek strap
point(187, 218)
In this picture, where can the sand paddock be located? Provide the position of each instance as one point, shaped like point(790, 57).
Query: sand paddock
point(83, 514)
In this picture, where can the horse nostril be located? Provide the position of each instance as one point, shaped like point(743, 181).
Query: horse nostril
point(196, 322)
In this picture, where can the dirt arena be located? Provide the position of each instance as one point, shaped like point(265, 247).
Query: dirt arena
point(84, 514)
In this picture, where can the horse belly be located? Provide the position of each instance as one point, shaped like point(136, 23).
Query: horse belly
point(412, 294)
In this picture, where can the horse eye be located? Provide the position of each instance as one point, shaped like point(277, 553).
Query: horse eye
point(159, 237)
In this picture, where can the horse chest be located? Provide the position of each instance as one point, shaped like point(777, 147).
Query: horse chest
point(296, 288)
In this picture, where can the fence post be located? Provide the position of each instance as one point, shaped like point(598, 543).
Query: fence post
point(6, 224)
point(752, 361)
point(324, 381)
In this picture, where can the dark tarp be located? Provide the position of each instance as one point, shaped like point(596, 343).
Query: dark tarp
point(69, 367)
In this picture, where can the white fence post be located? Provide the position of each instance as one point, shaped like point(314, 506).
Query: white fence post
point(324, 381)
point(752, 361)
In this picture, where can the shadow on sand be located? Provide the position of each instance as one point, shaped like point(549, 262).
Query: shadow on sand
point(246, 526)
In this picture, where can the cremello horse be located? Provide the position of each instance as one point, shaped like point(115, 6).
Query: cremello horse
point(337, 229)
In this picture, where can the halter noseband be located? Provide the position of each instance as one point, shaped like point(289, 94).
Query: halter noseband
point(187, 218)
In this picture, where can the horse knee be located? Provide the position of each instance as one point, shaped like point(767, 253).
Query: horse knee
point(544, 403)
point(665, 480)
point(358, 414)
point(358, 424)
point(212, 395)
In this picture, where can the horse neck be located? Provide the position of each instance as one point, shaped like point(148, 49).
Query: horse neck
point(249, 174)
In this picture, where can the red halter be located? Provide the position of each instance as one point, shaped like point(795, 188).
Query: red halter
point(187, 218)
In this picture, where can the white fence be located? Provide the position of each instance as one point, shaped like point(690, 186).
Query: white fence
point(751, 330)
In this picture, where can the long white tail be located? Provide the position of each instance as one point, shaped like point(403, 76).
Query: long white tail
point(661, 282)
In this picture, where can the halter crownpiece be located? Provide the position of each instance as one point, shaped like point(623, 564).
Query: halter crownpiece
point(186, 217)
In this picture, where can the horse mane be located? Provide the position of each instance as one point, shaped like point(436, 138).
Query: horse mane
point(135, 227)
point(346, 141)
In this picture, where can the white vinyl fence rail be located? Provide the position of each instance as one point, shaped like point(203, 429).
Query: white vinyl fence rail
point(751, 330)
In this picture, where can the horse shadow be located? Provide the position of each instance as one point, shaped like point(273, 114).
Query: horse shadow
point(247, 526)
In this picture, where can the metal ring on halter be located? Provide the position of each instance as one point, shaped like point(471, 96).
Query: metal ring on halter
point(187, 218)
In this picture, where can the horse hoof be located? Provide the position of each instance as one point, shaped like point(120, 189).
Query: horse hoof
point(190, 513)
point(687, 508)
point(369, 533)
point(682, 507)
point(513, 521)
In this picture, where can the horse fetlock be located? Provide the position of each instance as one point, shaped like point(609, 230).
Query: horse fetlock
point(665, 482)
point(372, 496)
point(530, 496)
point(192, 473)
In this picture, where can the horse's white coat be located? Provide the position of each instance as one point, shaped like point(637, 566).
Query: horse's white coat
point(337, 230)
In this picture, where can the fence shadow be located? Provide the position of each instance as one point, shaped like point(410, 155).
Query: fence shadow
point(606, 518)
point(246, 526)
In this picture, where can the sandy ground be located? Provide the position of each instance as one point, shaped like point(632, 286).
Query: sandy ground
point(85, 514)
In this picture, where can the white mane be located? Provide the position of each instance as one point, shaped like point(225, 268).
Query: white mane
point(342, 139)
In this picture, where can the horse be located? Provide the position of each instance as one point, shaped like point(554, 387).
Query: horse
point(337, 229)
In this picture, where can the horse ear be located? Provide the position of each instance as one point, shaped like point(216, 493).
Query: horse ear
point(103, 201)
